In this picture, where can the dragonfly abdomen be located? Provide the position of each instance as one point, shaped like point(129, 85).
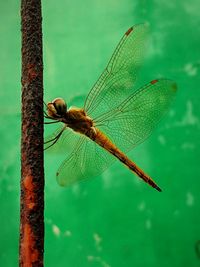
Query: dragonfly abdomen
point(132, 166)
point(104, 142)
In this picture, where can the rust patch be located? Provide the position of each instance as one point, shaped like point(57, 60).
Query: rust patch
point(31, 254)
point(32, 73)
point(28, 183)
point(29, 196)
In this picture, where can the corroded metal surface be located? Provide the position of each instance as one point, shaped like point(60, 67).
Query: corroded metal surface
point(32, 172)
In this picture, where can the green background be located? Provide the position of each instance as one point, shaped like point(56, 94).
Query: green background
point(115, 219)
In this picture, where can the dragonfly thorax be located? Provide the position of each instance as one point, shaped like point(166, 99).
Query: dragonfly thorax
point(77, 119)
point(74, 118)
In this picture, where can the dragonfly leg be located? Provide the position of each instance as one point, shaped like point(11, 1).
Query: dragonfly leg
point(55, 139)
point(45, 104)
point(48, 117)
point(50, 122)
point(45, 114)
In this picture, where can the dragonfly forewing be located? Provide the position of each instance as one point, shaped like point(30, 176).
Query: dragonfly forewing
point(120, 74)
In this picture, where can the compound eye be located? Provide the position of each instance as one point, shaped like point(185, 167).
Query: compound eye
point(60, 106)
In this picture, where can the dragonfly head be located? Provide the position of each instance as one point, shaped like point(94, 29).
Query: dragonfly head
point(57, 108)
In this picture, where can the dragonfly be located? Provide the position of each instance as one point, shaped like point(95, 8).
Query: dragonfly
point(115, 117)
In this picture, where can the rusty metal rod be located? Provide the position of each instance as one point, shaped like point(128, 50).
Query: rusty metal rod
point(31, 245)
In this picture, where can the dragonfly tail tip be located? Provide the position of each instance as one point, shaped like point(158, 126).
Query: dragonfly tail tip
point(158, 188)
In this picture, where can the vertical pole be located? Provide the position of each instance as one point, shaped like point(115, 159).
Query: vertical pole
point(32, 170)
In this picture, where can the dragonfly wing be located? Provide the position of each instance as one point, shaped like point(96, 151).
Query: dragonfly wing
point(87, 160)
point(64, 143)
point(120, 73)
point(131, 122)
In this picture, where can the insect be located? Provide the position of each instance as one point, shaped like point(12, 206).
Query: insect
point(115, 117)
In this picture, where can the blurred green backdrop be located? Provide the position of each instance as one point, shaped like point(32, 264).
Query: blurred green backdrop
point(115, 219)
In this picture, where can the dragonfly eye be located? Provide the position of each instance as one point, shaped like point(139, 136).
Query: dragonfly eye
point(60, 106)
